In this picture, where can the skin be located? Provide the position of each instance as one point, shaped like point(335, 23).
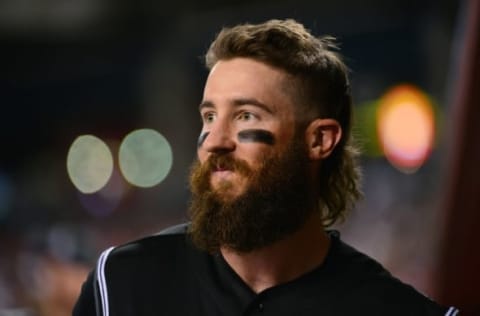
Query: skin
point(242, 94)
point(235, 100)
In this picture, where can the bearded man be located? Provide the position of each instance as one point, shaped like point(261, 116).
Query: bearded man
point(276, 167)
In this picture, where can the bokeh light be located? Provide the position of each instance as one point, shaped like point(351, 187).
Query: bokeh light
point(104, 202)
point(145, 157)
point(406, 127)
point(89, 163)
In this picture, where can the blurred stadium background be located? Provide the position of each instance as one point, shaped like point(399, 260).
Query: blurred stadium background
point(107, 68)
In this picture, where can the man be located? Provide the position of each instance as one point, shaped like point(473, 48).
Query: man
point(275, 167)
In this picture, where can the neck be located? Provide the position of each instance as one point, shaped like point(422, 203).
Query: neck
point(284, 260)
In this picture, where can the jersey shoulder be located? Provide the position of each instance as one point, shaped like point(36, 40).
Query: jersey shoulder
point(166, 246)
point(369, 286)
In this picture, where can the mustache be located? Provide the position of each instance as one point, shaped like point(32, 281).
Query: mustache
point(218, 162)
point(201, 172)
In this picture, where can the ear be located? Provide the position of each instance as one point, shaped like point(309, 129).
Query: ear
point(322, 135)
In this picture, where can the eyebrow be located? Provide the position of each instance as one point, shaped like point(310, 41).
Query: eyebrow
point(238, 102)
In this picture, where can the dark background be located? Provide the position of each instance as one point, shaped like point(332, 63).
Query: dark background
point(105, 67)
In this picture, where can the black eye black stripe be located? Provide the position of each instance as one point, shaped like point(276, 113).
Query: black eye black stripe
point(249, 135)
point(256, 135)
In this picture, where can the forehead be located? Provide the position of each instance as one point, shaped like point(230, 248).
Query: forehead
point(247, 78)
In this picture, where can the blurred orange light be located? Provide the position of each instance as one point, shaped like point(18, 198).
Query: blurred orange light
point(406, 127)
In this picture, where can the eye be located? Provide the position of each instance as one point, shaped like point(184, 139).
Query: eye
point(246, 116)
point(208, 117)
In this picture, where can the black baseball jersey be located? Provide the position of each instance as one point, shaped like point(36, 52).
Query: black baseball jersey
point(166, 274)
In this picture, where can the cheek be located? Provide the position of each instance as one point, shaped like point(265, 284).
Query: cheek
point(254, 154)
point(201, 152)
point(201, 155)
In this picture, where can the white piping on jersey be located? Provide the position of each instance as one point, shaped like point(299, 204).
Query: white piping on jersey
point(102, 283)
point(452, 311)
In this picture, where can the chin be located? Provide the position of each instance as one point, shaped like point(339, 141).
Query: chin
point(228, 188)
point(228, 196)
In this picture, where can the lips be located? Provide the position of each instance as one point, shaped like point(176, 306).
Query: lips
point(221, 174)
point(221, 167)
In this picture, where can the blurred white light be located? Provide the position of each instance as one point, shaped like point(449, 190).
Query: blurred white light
point(89, 163)
point(145, 157)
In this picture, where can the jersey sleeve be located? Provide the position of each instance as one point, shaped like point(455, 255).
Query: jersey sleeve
point(85, 305)
point(93, 299)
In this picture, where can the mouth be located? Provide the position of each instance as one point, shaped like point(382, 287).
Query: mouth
point(221, 172)
point(221, 168)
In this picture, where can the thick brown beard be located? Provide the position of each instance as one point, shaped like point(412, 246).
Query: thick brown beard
point(276, 203)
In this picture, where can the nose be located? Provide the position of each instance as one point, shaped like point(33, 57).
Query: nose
point(218, 140)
